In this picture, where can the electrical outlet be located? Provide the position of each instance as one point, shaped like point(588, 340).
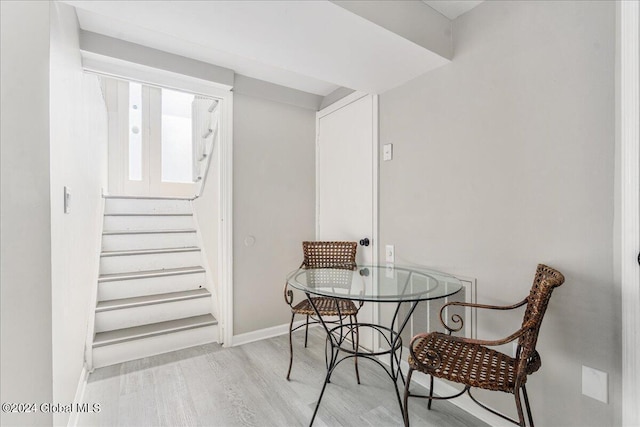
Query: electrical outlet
point(390, 272)
point(595, 384)
point(67, 200)
point(389, 253)
point(387, 152)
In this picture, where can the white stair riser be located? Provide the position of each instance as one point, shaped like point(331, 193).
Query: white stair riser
point(137, 349)
point(122, 242)
point(135, 316)
point(146, 206)
point(120, 223)
point(161, 261)
point(149, 286)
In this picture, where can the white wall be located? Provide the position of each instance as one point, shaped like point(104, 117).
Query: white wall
point(78, 161)
point(25, 227)
point(273, 202)
point(504, 159)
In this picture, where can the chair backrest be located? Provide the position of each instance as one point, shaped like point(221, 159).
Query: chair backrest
point(330, 255)
point(545, 281)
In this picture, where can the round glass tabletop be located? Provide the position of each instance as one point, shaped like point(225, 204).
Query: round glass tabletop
point(375, 283)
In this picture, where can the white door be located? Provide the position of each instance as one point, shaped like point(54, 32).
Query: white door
point(346, 182)
point(154, 131)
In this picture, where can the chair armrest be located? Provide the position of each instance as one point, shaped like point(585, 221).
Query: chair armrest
point(433, 359)
point(492, 343)
point(288, 293)
point(455, 318)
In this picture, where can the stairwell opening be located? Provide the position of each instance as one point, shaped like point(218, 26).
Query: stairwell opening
point(161, 283)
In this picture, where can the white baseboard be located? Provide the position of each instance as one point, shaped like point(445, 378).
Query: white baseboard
point(262, 334)
point(79, 397)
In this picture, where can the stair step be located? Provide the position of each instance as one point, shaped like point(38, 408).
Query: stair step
point(131, 205)
point(119, 232)
point(148, 221)
point(175, 337)
point(149, 274)
point(128, 240)
point(148, 214)
point(148, 309)
point(148, 259)
point(115, 197)
point(151, 299)
point(145, 283)
point(153, 329)
point(149, 251)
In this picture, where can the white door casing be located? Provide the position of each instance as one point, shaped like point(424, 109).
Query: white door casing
point(346, 182)
point(628, 87)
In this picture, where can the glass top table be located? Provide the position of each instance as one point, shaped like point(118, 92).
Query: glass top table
point(374, 284)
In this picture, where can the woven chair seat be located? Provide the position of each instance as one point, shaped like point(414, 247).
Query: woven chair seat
point(469, 364)
point(326, 307)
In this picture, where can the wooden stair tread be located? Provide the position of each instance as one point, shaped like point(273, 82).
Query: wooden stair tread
point(148, 214)
point(149, 251)
point(169, 231)
point(131, 302)
point(150, 273)
point(145, 331)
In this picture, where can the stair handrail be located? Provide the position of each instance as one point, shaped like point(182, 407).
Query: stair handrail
point(213, 133)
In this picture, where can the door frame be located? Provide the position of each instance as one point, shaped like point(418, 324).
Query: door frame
point(122, 70)
point(628, 106)
point(343, 102)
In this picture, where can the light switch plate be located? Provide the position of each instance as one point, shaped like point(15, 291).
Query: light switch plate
point(595, 384)
point(387, 152)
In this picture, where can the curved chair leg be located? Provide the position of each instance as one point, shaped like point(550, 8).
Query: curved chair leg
point(430, 392)
point(527, 406)
point(290, 345)
point(306, 331)
point(356, 342)
point(405, 402)
point(519, 407)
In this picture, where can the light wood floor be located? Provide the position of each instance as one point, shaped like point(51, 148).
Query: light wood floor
point(246, 386)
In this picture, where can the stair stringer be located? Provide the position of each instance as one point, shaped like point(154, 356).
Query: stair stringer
point(210, 282)
point(93, 300)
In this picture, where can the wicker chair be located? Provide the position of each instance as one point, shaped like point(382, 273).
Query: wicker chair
point(471, 362)
point(339, 255)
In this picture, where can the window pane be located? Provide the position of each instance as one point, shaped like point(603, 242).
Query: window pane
point(135, 131)
point(176, 137)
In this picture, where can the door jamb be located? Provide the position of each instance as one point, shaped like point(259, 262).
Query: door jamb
point(629, 124)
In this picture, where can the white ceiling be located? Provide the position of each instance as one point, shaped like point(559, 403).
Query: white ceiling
point(314, 46)
point(452, 8)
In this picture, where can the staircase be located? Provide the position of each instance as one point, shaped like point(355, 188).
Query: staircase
point(151, 296)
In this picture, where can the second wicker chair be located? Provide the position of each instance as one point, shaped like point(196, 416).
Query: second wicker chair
point(341, 255)
point(472, 363)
